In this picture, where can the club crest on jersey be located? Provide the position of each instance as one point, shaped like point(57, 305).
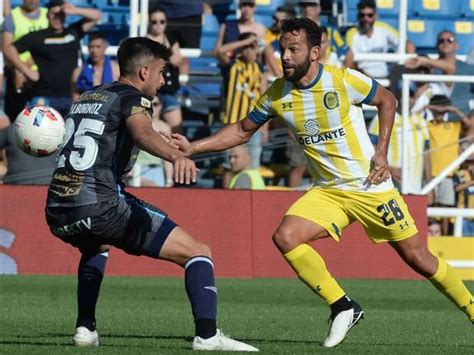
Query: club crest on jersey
point(311, 127)
point(331, 100)
point(145, 102)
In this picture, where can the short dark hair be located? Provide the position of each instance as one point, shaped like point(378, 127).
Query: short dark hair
point(245, 35)
point(287, 9)
point(54, 3)
point(445, 31)
point(157, 9)
point(441, 100)
point(366, 3)
point(134, 50)
point(312, 30)
point(97, 35)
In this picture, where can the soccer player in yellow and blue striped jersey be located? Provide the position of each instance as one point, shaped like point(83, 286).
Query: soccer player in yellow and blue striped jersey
point(321, 105)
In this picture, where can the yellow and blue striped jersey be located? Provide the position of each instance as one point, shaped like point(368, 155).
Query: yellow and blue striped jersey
point(327, 119)
point(418, 140)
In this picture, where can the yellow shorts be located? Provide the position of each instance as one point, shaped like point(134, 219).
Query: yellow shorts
point(384, 215)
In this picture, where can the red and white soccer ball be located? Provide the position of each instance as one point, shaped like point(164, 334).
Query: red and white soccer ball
point(39, 130)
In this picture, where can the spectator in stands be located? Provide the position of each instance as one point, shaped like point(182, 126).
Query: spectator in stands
point(434, 228)
point(244, 176)
point(332, 58)
point(272, 36)
point(55, 51)
point(464, 185)
point(244, 82)
point(446, 63)
point(228, 38)
point(281, 14)
point(372, 36)
point(23, 169)
point(444, 147)
point(419, 166)
point(98, 69)
point(184, 19)
point(23, 19)
point(312, 9)
point(151, 170)
point(171, 108)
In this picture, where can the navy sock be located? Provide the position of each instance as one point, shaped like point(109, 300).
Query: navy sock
point(202, 293)
point(89, 274)
point(342, 304)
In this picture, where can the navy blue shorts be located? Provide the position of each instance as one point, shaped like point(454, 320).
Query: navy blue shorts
point(126, 222)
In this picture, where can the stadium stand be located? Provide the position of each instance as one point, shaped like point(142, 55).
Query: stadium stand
point(436, 9)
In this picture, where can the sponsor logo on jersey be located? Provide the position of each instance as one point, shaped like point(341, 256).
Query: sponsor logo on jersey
point(323, 137)
point(93, 96)
point(73, 228)
point(145, 102)
point(311, 127)
point(331, 100)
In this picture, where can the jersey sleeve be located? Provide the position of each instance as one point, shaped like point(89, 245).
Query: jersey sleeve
point(263, 110)
point(360, 88)
point(8, 24)
point(135, 104)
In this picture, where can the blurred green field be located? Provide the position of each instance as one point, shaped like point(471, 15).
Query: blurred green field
point(152, 315)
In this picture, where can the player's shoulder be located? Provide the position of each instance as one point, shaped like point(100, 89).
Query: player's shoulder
point(335, 71)
point(277, 84)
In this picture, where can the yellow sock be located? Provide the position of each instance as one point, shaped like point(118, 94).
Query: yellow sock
point(311, 269)
point(448, 282)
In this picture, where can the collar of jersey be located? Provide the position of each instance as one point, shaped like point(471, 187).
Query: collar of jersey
point(315, 81)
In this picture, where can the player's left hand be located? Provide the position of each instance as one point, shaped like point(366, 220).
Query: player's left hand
point(379, 169)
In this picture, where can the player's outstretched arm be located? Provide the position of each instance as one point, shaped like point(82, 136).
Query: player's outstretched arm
point(386, 104)
point(227, 137)
point(149, 140)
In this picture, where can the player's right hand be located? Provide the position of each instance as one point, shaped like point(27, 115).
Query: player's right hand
point(185, 171)
point(182, 143)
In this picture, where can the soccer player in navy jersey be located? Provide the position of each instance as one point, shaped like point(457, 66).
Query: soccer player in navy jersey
point(88, 208)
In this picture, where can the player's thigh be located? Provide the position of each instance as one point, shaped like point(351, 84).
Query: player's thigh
point(325, 209)
point(384, 215)
point(180, 246)
point(294, 231)
point(136, 227)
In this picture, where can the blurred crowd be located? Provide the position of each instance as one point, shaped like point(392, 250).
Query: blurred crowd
point(42, 64)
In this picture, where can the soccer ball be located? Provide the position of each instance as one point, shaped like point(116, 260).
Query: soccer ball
point(39, 130)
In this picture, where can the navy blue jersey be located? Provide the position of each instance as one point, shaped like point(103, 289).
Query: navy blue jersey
point(98, 151)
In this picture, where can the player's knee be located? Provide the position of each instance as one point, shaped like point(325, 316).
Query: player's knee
point(284, 240)
point(202, 249)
